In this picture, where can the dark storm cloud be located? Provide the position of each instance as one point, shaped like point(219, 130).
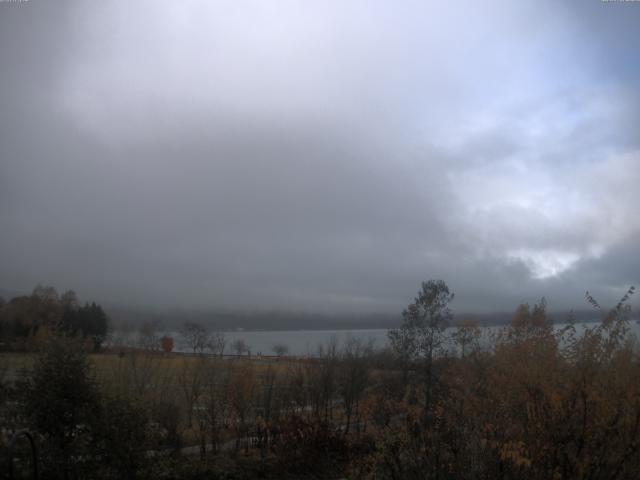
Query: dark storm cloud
point(330, 157)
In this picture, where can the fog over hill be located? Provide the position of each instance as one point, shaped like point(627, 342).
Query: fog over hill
point(172, 320)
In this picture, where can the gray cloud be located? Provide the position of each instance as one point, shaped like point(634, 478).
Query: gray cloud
point(323, 157)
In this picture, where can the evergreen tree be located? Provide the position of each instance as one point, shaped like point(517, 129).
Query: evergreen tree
point(60, 401)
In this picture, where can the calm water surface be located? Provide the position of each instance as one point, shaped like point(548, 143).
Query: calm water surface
point(306, 342)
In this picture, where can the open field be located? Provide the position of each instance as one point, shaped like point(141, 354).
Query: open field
point(109, 364)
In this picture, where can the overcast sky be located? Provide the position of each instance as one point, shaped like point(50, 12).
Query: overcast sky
point(321, 156)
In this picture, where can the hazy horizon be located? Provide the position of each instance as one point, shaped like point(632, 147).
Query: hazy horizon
point(320, 157)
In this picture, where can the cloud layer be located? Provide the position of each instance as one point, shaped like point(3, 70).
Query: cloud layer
point(323, 157)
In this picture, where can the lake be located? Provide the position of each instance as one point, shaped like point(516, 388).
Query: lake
point(306, 342)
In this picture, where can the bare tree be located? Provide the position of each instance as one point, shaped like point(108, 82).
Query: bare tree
point(353, 376)
point(322, 378)
point(241, 400)
point(214, 400)
point(280, 349)
point(148, 338)
point(467, 336)
point(240, 346)
point(191, 379)
point(195, 336)
point(217, 343)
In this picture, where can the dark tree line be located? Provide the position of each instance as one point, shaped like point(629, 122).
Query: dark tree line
point(27, 321)
point(89, 321)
